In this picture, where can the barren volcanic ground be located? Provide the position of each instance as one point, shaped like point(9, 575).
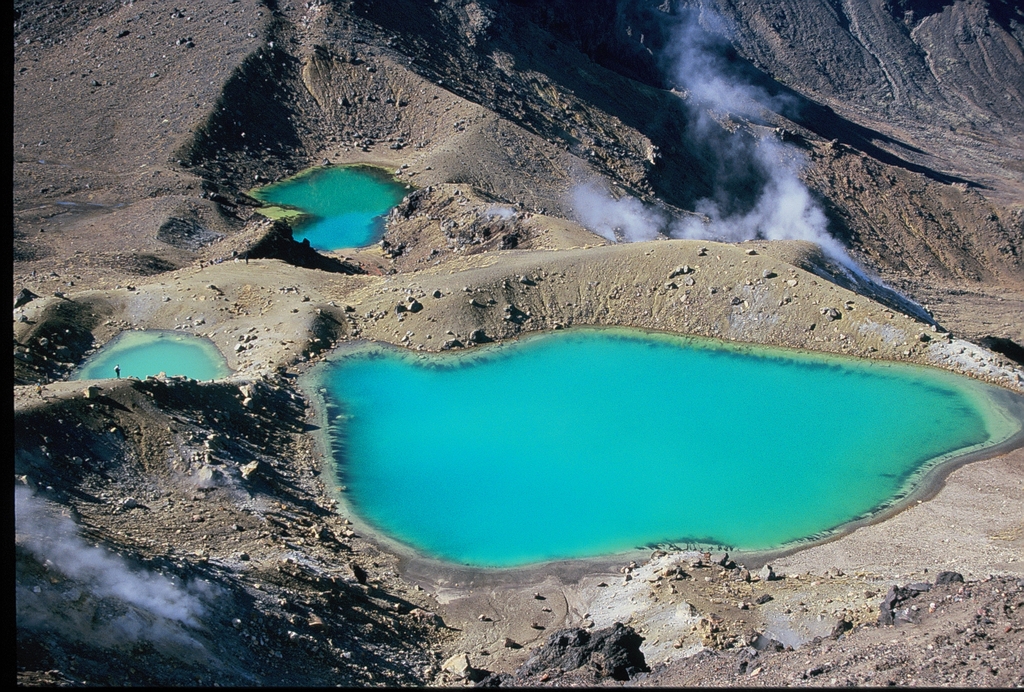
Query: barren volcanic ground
point(842, 177)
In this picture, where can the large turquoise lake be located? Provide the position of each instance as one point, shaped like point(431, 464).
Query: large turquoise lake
point(143, 353)
point(334, 208)
point(589, 442)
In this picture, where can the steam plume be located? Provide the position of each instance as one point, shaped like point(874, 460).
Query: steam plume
point(757, 189)
point(500, 211)
point(626, 218)
point(157, 606)
point(784, 209)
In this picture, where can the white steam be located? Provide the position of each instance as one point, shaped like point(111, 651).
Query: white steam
point(697, 63)
point(157, 606)
point(616, 219)
point(765, 170)
point(784, 209)
point(500, 211)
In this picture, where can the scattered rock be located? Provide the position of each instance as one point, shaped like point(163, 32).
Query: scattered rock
point(842, 626)
point(458, 665)
point(763, 642)
point(948, 578)
point(767, 573)
point(427, 617)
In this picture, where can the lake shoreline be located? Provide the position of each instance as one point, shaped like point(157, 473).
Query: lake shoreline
point(433, 572)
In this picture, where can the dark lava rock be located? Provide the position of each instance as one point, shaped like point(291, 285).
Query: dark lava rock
point(885, 614)
point(612, 652)
point(888, 613)
point(948, 578)
point(495, 680)
point(24, 296)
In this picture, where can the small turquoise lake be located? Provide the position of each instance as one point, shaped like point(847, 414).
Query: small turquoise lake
point(143, 353)
point(336, 207)
point(589, 442)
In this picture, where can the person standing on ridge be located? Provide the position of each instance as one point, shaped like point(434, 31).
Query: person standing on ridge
point(117, 370)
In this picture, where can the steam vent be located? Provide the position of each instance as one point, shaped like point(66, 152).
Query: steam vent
point(518, 343)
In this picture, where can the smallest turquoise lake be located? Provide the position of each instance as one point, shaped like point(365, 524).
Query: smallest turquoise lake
point(140, 354)
point(334, 208)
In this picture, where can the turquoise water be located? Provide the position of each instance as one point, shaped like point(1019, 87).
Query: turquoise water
point(145, 353)
point(344, 207)
point(591, 442)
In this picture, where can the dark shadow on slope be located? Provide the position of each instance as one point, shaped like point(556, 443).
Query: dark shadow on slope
point(1008, 347)
point(252, 119)
point(279, 243)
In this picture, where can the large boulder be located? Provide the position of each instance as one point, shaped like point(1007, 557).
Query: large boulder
point(612, 652)
point(24, 297)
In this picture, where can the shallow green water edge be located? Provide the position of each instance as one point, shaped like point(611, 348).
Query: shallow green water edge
point(294, 215)
point(1001, 410)
point(170, 348)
